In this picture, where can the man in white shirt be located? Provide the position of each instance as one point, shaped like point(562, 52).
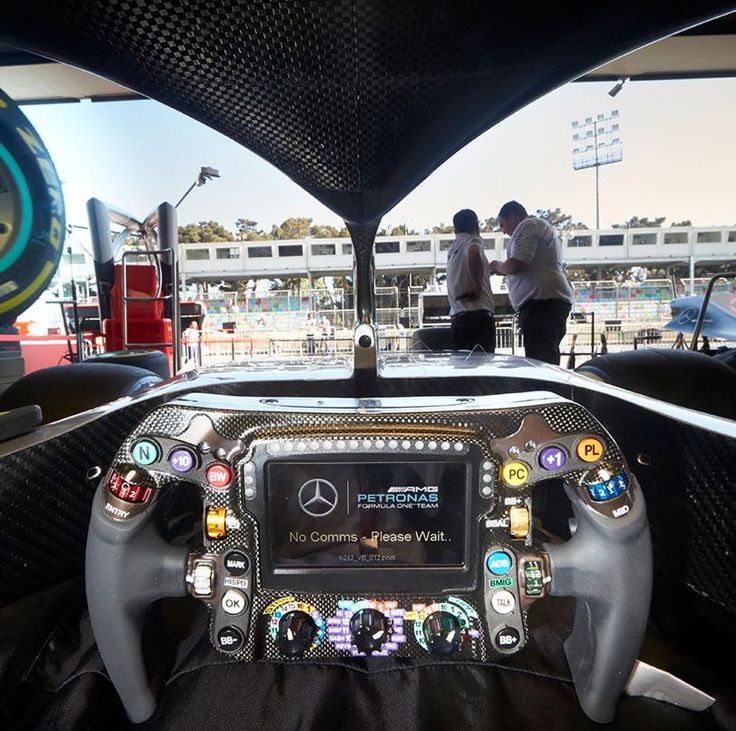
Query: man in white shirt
point(469, 286)
point(538, 288)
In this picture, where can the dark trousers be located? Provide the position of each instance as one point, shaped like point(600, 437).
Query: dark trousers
point(474, 328)
point(544, 324)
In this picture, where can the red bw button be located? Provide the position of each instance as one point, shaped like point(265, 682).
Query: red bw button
point(219, 475)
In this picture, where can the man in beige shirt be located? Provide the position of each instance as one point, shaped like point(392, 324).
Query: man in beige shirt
point(469, 286)
point(538, 288)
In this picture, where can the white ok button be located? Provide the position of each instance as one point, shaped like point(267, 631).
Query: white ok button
point(502, 602)
point(233, 602)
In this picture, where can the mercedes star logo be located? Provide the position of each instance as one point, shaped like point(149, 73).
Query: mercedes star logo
point(318, 497)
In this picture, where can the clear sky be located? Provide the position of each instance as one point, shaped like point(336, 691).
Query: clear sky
point(678, 146)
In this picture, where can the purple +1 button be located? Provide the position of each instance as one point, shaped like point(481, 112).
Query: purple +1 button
point(182, 460)
point(552, 458)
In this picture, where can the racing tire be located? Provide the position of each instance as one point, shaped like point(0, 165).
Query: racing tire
point(62, 391)
point(32, 222)
point(152, 360)
point(681, 377)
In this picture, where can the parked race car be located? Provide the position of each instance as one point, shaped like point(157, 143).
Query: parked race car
point(411, 540)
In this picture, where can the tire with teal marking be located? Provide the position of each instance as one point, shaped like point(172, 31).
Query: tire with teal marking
point(31, 213)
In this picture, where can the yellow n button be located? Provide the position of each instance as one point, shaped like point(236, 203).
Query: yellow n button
point(590, 449)
point(514, 473)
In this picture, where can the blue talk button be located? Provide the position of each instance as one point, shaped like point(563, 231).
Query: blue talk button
point(145, 452)
point(499, 563)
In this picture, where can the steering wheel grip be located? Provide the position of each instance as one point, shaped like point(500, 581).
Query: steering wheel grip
point(607, 566)
point(128, 566)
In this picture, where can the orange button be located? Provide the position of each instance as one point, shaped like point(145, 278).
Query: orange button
point(215, 523)
point(590, 449)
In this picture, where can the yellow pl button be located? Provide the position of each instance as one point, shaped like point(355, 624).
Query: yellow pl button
point(514, 473)
point(590, 449)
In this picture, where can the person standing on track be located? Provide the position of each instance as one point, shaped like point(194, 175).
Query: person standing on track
point(469, 286)
point(538, 288)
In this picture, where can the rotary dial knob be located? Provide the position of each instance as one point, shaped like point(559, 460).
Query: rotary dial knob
point(370, 630)
point(295, 634)
point(443, 633)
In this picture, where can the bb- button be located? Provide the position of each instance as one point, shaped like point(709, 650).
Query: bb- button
point(514, 473)
point(230, 639)
point(590, 449)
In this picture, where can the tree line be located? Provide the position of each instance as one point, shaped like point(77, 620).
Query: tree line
point(247, 229)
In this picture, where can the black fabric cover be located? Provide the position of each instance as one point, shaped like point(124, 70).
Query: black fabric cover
point(55, 680)
point(355, 100)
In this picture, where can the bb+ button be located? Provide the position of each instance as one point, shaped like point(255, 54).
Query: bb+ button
point(237, 563)
point(499, 563)
point(233, 602)
point(507, 638)
point(145, 452)
point(230, 639)
point(182, 460)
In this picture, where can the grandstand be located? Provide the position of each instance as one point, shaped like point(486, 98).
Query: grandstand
point(583, 249)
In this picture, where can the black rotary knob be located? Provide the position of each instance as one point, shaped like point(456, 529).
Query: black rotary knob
point(370, 630)
point(442, 632)
point(295, 634)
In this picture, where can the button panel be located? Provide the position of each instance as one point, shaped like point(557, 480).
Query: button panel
point(512, 576)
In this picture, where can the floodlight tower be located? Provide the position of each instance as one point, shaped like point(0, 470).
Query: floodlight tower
point(596, 142)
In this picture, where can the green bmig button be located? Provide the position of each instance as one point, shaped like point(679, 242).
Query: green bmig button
point(500, 583)
point(145, 452)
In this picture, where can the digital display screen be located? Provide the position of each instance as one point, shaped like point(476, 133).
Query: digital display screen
point(367, 514)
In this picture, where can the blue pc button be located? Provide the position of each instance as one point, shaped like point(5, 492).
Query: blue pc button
point(145, 452)
point(499, 563)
